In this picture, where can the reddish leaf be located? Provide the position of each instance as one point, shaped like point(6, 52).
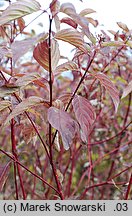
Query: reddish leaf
point(73, 37)
point(63, 122)
point(109, 86)
point(21, 24)
point(4, 171)
point(19, 9)
point(127, 90)
point(25, 105)
point(69, 21)
point(54, 7)
point(2, 32)
point(42, 83)
point(41, 54)
point(85, 115)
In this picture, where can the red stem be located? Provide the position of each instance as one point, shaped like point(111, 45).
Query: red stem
point(13, 140)
point(89, 169)
point(50, 127)
point(120, 172)
point(128, 188)
point(15, 179)
point(14, 152)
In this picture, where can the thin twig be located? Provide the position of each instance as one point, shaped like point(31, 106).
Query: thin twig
point(34, 174)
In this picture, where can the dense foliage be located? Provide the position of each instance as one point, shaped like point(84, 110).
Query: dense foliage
point(65, 123)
